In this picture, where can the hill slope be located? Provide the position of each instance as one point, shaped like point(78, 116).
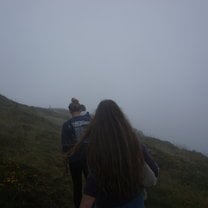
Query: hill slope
point(30, 161)
point(183, 180)
point(32, 170)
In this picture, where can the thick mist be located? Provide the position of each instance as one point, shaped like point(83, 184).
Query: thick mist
point(148, 56)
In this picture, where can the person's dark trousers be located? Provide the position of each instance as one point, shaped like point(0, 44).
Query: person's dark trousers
point(76, 169)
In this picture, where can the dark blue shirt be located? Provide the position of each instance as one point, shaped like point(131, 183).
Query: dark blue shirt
point(71, 132)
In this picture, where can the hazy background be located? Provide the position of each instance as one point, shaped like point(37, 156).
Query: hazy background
point(149, 56)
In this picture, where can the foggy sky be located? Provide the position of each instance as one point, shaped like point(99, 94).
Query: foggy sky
point(148, 56)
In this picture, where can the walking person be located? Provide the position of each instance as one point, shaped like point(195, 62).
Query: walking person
point(72, 129)
point(118, 172)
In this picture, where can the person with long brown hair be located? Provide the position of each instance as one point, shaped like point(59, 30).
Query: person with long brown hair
point(118, 171)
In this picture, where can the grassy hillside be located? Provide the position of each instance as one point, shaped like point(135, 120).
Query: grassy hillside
point(183, 180)
point(32, 172)
point(30, 161)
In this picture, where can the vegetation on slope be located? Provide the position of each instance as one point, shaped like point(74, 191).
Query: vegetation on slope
point(32, 170)
point(30, 161)
point(183, 180)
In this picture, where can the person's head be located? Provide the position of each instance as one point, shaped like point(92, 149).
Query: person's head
point(114, 151)
point(74, 106)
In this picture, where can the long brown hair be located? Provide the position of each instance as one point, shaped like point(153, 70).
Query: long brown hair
point(114, 154)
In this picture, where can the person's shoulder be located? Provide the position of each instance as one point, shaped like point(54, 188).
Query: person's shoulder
point(83, 113)
point(82, 117)
point(87, 115)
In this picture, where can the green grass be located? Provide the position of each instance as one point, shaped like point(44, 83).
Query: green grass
point(30, 160)
point(32, 170)
point(183, 179)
